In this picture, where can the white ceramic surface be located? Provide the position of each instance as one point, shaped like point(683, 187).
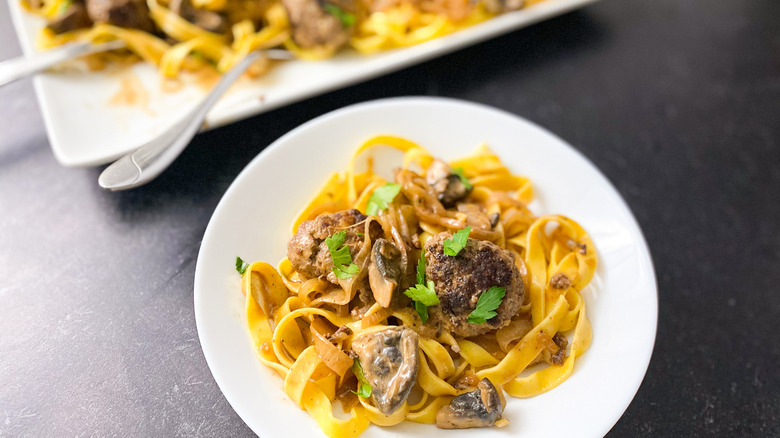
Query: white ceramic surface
point(253, 221)
point(89, 123)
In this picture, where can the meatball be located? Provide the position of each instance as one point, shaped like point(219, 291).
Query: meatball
point(460, 280)
point(131, 14)
point(307, 250)
point(313, 26)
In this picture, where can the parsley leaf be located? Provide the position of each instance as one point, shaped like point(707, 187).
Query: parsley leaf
point(421, 269)
point(342, 259)
point(347, 18)
point(488, 302)
point(363, 388)
point(381, 197)
point(241, 265)
point(340, 254)
point(459, 171)
point(458, 241)
point(344, 271)
point(422, 310)
point(423, 294)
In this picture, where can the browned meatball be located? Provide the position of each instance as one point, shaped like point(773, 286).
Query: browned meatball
point(312, 26)
point(132, 14)
point(307, 250)
point(460, 280)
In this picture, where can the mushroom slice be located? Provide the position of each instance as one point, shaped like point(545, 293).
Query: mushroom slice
point(438, 170)
point(390, 361)
point(384, 272)
point(481, 407)
point(448, 186)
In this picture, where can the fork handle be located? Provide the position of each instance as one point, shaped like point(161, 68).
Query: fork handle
point(20, 67)
point(145, 163)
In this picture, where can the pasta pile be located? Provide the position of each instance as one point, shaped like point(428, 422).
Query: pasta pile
point(292, 319)
point(179, 44)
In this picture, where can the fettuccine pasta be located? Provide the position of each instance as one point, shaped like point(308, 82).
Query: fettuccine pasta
point(369, 315)
point(190, 35)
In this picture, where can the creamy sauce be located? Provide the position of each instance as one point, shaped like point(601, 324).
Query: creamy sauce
point(131, 93)
point(206, 77)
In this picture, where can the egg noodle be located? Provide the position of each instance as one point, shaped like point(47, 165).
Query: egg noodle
point(290, 317)
point(186, 46)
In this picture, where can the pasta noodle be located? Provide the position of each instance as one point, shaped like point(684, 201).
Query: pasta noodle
point(174, 43)
point(306, 328)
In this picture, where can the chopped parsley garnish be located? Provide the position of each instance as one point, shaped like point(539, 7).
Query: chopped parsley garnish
point(459, 171)
point(422, 294)
point(487, 304)
point(344, 271)
point(64, 7)
point(342, 259)
point(241, 265)
point(363, 388)
point(381, 197)
point(421, 310)
point(458, 241)
point(421, 269)
point(347, 18)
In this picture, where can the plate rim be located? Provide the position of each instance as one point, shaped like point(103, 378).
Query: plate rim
point(645, 255)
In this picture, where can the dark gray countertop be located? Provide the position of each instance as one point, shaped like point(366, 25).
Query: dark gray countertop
point(677, 102)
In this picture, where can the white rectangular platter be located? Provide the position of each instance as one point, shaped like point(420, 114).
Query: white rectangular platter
point(94, 117)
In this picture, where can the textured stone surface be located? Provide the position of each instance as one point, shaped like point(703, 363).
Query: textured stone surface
point(677, 102)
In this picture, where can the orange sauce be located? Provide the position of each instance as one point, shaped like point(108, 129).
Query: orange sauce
point(131, 92)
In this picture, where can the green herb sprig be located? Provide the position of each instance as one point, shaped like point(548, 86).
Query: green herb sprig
point(486, 305)
point(423, 293)
point(363, 387)
point(347, 18)
point(342, 259)
point(381, 198)
point(466, 183)
point(458, 241)
point(241, 265)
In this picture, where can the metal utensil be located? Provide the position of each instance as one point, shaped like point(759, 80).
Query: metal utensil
point(18, 68)
point(145, 163)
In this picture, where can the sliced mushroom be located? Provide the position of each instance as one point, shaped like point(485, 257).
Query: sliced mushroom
point(448, 186)
point(74, 17)
point(312, 26)
point(130, 14)
point(390, 361)
point(494, 219)
point(451, 190)
point(384, 272)
point(438, 170)
point(208, 20)
point(481, 407)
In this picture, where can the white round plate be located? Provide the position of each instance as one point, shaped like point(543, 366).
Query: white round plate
point(253, 221)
